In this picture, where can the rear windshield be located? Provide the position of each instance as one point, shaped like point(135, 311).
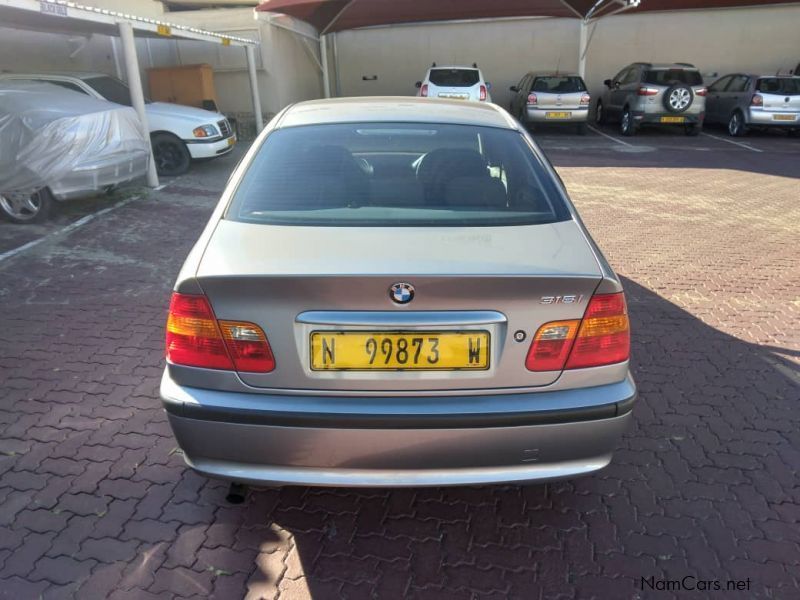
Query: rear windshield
point(558, 85)
point(454, 77)
point(112, 90)
point(670, 76)
point(396, 174)
point(785, 86)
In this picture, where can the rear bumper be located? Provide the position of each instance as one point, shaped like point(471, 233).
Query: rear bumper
point(539, 115)
point(221, 436)
point(90, 180)
point(655, 118)
point(767, 118)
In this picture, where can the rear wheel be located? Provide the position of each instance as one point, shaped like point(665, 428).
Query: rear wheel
point(599, 114)
point(736, 124)
point(627, 127)
point(171, 154)
point(23, 209)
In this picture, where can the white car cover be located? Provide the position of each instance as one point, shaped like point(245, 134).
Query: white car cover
point(48, 133)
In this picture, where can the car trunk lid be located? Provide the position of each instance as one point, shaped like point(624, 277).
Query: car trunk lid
point(293, 281)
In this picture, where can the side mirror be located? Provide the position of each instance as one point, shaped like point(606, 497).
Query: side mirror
point(418, 84)
point(514, 89)
point(607, 83)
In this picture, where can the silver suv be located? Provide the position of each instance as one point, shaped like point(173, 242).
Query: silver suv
point(654, 94)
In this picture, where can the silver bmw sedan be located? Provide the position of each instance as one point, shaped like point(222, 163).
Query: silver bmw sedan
point(396, 292)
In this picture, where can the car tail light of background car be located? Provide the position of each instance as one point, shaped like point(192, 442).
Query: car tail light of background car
point(758, 100)
point(532, 99)
point(483, 93)
point(702, 92)
point(196, 339)
point(647, 91)
point(423, 91)
point(602, 337)
point(585, 100)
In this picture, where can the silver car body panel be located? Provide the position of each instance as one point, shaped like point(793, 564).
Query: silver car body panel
point(232, 425)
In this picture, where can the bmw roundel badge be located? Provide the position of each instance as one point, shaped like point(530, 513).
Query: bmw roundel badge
point(401, 293)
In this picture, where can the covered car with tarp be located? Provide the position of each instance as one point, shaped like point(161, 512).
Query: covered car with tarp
point(57, 144)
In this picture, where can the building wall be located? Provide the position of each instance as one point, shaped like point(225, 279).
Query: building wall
point(716, 41)
point(287, 72)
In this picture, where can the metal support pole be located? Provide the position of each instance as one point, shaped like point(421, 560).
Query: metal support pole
point(251, 71)
point(326, 77)
point(137, 95)
point(582, 41)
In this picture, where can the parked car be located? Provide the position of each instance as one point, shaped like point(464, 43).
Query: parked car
point(654, 94)
point(396, 292)
point(743, 101)
point(557, 99)
point(178, 133)
point(56, 144)
point(455, 83)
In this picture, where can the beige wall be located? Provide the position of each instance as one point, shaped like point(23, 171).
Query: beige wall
point(753, 39)
point(286, 70)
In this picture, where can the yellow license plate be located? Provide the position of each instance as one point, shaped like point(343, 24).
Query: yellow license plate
point(399, 350)
point(231, 141)
point(557, 115)
point(783, 117)
point(673, 119)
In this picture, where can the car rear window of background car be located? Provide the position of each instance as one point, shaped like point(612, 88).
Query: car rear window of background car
point(397, 174)
point(558, 85)
point(670, 76)
point(788, 86)
point(454, 77)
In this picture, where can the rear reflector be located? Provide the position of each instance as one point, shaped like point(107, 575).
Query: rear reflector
point(602, 337)
point(195, 339)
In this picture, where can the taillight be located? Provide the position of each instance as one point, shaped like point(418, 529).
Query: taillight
point(196, 339)
point(586, 99)
point(602, 337)
point(647, 91)
point(532, 99)
point(758, 100)
point(701, 92)
point(423, 91)
point(483, 93)
point(551, 345)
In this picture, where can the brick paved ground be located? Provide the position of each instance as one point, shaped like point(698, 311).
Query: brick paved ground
point(95, 501)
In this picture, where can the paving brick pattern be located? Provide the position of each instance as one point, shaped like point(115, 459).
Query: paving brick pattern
point(95, 501)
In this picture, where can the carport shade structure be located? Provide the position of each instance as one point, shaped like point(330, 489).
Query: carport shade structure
point(58, 16)
point(329, 16)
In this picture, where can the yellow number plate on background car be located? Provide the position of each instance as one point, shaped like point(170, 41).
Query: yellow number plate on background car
point(673, 119)
point(557, 115)
point(399, 350)
point(783, 117)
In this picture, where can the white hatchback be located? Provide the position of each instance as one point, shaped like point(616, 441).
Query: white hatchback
point(455, 83)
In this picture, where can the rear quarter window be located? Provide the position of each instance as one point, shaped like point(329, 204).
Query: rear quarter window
point(454, 77)
point(670, 76)
point(397, 174)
